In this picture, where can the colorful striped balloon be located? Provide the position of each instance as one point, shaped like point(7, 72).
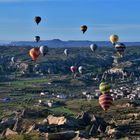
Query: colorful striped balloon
point(120, 47)
point(105, 101)
point(104, 87)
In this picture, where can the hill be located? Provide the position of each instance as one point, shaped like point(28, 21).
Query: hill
point(32, 91)
point(60, 43)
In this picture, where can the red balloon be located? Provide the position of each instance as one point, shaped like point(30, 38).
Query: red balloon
point(73, 69)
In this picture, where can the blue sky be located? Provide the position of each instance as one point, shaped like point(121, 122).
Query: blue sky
point(62, 19)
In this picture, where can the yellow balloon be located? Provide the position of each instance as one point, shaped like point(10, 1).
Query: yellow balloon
point(114, 38)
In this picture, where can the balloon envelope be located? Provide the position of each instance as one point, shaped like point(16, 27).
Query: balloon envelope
point(93, 47)
point(13, 59)
point(37, 38)
point(120, 47)
point(114, 38)
point(73, 69)
point(83, 28)
point(66, 52)
point(81, 69)
point(104, 87)
point(49, 70)
point(37, 19)
point(105, 101)
point(34, 53)
point(43, 50)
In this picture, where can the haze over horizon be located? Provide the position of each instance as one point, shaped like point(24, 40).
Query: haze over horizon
point(62, 19)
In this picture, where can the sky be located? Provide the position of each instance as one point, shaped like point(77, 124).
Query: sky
point(61, 19)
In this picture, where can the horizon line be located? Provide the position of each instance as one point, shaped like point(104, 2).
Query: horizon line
point(61, 40)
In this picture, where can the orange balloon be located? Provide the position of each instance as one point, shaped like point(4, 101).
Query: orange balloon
point(34, 53)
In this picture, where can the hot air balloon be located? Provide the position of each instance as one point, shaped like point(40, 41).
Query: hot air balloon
point(81, 69)
point(105, 87)
point(83, 28)
point(37, 38)
point(37, 19)
point(93, 47)
point(114, 39)
point(43, 50)
point(13, 60)
point(73, 69)
point(34, 53)
point(49, 70)
point(105, 101)
point(120, 47)
point(66, 52)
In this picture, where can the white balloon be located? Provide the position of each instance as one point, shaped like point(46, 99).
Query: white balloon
point(43, 50)
point(93, 47)
point(81, 69)
point(66, 52)
point(13, 59)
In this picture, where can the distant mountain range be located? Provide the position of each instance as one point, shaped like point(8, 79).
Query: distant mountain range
point(60, 43)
